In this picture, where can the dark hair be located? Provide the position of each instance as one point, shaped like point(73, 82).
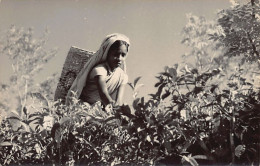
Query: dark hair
point(117, 44)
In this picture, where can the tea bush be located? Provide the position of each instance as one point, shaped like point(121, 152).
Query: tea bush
point(202, 123)
point(205, 111)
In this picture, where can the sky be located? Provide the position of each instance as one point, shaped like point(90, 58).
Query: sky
point(153, 26)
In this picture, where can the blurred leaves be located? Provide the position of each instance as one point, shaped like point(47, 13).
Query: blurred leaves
point(205, 110)
point(28, 56)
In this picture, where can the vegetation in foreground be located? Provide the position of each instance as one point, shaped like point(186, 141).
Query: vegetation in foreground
point(205, 111)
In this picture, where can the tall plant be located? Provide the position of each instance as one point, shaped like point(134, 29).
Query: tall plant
point(220, 85)
point(28, 56)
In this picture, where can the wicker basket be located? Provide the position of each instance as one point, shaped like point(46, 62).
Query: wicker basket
point(74, 62)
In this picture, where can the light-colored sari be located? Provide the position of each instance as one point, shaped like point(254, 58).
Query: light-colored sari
point(99, 57)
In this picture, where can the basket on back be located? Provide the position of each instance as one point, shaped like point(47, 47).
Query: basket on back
point(74, 62)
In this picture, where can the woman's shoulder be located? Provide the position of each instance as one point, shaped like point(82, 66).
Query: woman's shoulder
point(101, 65)
point(100, 69)
point(104, 69)
point(121, 72)
point(123, 75)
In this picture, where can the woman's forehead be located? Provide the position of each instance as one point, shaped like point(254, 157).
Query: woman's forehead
point(121, 48)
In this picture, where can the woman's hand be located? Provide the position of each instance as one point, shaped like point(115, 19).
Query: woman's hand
point(112, 102)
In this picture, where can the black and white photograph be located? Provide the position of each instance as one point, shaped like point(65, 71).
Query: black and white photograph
point(130, 82)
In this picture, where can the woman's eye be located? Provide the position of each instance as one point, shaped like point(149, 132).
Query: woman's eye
point(117, 55)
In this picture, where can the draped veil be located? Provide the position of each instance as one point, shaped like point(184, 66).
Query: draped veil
point(99, 57)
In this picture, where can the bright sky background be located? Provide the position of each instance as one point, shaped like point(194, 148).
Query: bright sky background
point(153, 26)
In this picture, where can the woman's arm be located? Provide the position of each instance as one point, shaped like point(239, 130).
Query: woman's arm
point(120, 94)
point(102, 88)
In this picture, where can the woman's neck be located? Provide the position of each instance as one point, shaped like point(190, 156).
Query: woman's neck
point(110, 68)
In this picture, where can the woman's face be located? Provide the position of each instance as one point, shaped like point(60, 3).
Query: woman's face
point(116, 56)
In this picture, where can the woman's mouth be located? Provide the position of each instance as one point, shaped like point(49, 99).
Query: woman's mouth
point(118, 63)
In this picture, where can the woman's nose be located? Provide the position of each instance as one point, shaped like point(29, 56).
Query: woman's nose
point(121, 57)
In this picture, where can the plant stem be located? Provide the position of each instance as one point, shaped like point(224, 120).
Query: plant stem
point(231, 135)
point(253, 45)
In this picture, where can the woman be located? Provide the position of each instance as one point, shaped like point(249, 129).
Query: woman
point(101, 78)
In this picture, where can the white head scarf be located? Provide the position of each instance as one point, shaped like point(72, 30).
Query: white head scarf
point(99, 57)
